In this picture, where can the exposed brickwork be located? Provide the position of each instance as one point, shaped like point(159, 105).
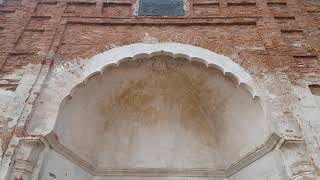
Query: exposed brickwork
point(274, 33)
point(261, 35)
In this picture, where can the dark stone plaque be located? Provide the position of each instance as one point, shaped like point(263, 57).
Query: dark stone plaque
point(161, 8)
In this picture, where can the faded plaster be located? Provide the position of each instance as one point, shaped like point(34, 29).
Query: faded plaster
point(269, 167)
point(61, 168)
point(66, 76)
point(281, 114)
point(193, 112)
point(16, 105)
point(307, 112)
point(210, 76)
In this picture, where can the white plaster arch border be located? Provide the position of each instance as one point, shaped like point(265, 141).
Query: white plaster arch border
point(67, 78)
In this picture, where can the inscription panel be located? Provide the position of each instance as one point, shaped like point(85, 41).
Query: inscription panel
point(161, 8)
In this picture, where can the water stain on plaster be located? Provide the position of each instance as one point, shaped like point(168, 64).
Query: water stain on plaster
point(157, 112)
point(162, 95)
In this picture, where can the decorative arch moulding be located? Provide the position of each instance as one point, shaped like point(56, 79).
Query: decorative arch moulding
point(260, 151)
point(67, 78)
point(101, 63)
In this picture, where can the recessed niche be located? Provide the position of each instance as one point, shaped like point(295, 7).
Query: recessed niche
point(239, 8)
point(186, 114)
point(278, 7)
point(7, 12)
point(312, 2)
point(306, 61)
point(12, 3)
point(81, 8)
point(39, 23)
point(46, 7)
point(206, 8)
point(315, 89)
point(117, 9)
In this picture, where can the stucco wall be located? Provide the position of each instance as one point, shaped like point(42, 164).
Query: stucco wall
point(270, 167)
point(159, 113)
point(276, 42)
point(157, 178)
point(56, 166)
point(266, 168)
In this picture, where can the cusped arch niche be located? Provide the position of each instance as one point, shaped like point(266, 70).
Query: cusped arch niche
point(163, 113)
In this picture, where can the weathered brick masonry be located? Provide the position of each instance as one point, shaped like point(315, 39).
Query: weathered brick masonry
point(277, 34)
point(263, 36)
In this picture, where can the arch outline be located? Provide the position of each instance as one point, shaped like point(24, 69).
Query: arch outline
point(66, 79)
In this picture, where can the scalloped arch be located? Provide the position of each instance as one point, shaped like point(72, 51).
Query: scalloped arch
point(205, 63)
point(54, 94)
point(102, 62)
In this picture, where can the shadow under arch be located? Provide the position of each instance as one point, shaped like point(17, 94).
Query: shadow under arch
point(55, 96)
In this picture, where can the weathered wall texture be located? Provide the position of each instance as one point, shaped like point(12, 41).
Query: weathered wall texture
point(275, 41)
point(193, 113)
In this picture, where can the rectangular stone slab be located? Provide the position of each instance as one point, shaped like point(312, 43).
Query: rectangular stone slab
point(161, 8)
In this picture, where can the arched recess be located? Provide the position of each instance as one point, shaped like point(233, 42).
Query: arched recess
point(216, 97)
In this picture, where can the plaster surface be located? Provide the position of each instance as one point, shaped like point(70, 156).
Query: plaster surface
point(269, 167)
point(56, 166)
point(66, 76)
point(132, 105)
point(161, 112)
point(275, 43)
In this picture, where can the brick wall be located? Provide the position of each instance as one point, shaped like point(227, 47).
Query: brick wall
point(281, 34)
point(260, 35)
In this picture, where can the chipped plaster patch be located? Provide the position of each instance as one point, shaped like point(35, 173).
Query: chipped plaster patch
point(149, 40)
point(11, 102)
point(18, 105)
